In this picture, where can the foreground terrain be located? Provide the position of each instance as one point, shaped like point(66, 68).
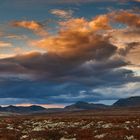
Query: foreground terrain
point(117, 124)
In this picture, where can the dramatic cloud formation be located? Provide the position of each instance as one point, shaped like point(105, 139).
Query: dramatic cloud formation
point(78, 49)
point(77, 43)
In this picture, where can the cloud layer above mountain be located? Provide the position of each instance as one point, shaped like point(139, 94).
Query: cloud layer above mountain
point(73, 59)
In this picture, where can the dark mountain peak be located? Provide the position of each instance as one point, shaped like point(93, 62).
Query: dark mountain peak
point(134, 97)
point(81, 103)
point(85, 105)
point(36, 107)
point(133, 101)
point(10, 106)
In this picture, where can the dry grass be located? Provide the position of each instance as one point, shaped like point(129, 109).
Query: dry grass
point(71, 127)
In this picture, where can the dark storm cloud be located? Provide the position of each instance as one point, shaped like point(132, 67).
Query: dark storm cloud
point(44, 93)
point(50, 67)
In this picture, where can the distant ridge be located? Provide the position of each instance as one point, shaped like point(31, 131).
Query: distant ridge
point(85, 105)
point(22, 109)
point(80, 105)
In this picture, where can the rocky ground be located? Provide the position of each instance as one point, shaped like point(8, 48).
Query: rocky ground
point(74, 126)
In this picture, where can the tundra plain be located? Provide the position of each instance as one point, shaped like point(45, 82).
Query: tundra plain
point(112, 124)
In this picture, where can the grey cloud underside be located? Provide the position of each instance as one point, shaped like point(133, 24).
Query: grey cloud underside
point(54, 66)
point(95, 67)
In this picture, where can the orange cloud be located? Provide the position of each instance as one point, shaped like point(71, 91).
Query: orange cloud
point(128, 18)
point(6, 56)
point(78, 38)
point(96, 24)
point(5, 44)
point(31, 25)
point(100, 22)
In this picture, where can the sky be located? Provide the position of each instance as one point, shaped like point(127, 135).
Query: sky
point(55, 53)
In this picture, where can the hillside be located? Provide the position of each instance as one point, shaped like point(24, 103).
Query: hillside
point(128, 102)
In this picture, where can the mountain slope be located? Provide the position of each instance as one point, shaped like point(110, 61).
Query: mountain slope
point(128, 102)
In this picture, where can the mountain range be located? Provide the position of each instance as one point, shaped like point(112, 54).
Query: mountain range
point(80, 105)
point(22, 109)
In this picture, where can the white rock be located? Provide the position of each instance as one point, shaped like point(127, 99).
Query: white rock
point(130, 138)
point(100, 136)
point(68, 139)
point(108, 125)
point(24, 136)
